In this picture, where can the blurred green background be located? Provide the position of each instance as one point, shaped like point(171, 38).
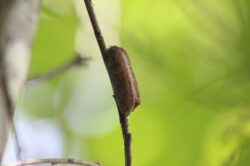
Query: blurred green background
point(192, 62)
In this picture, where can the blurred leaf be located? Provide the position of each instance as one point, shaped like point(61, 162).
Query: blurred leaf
point(190, 64)
point(53, 46)
point(147, 133)
point(55, 40)
point(227, 142)
point(86, 102)
point(193, 47)
point(36, 101)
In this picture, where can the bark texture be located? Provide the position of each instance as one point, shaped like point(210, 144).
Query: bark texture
point(18, 20)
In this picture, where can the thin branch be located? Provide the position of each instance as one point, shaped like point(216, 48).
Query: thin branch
point(123, 119)
point(127, 139)
point(126, 136)
point(54, 162)
point(76, 61)
point(96, 28)
point(9, 108)
point(17, 142)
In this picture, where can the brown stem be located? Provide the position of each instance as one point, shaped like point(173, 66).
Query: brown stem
point(127, 139)
point(96, 28)
point(78, 60)
point(102, 46)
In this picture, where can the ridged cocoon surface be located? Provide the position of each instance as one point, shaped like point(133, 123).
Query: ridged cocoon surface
point(123, 80)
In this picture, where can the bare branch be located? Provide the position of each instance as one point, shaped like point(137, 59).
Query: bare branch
point(96, 28)
point(78, 60)
point(127, 139)
point(123, 119)
point(54, 162)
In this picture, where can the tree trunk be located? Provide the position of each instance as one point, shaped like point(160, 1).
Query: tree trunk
point(17, 26)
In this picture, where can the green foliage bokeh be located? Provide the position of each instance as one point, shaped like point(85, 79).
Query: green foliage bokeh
point(191, 59)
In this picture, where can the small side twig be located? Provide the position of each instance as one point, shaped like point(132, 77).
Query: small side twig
point(54, 162)
point(123, 119)
point(77, 60)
